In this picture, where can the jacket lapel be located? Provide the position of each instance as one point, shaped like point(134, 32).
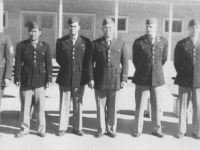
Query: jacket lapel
point(103, 42)
point(78, 41)
point(68, 41)
point(112, 44)
point(28, 44)
point(146, 40)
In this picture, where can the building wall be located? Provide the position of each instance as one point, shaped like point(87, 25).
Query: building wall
point(137, 14)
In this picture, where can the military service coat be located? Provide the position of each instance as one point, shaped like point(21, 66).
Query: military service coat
point(111, 64)
point(33, 66)
point(75, 61)
point(187, 63)
point(6, 57)
point(148, 60)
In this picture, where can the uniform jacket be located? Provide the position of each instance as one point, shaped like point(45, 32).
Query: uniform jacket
point(187, 63)
point(75, 61)
point(111, 63)
point(6, 57)
point(33, 66)
point(148, 60)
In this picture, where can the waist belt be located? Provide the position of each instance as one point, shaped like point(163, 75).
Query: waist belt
point(34, 64)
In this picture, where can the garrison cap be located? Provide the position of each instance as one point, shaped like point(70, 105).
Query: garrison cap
point(193, 22)
point(73, 20)
point(32, 25)
point(151, 21)
point(107, 20)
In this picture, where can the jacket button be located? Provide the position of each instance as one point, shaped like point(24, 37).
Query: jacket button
point(73, 57)
point(108, 55)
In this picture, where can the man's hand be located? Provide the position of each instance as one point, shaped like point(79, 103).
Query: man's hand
point(123, 84)
point(91, 84)
point(5, 82)
point(48, 84)
point(17, 84)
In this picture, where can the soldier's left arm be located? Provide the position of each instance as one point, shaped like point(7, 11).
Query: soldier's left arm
point(165, 52)
point(48, 65)
point(9, 55)
point(124, 63)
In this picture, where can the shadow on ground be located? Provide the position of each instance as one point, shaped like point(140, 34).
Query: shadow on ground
point(10, 123)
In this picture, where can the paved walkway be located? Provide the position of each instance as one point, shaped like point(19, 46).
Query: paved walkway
point(124, 140)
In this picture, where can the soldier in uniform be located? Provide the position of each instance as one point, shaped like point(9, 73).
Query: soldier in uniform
point(149, 56)
point(187, 64)
point(33, 73)
point(6, 63)
point(73, 54)
point(110, 58)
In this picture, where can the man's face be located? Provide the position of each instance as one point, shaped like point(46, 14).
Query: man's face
point(151, 29)
point(108, 30)
point(74, 28)
point(194, 31)
point(34, 34)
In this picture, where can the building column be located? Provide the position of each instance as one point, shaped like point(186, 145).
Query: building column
point(170, 32)
point(1, 15)
point(116, 17)
point(60, 22)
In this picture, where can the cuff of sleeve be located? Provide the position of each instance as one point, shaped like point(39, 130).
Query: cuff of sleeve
point(91, 77)
point(17, 79)
point(124, 77)
point(49, 78)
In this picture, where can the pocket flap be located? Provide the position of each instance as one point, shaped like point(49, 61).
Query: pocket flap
point(118, 70)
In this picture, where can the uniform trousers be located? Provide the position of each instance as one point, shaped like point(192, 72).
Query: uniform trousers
point(106, 102)
point(141, 97)
point(184, 95)
point(1, 95)
point(26, 94)
point(68, 93)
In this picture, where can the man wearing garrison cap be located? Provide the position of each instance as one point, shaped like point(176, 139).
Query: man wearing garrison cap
point(110, 57)
point(73, 54)
point(6, 63)
point(187, 65)
point(33, 74)
point(149, 56)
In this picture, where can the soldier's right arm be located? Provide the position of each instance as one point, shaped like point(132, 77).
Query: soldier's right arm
point(135, 54)
point(18, 65)
point(58, 52)
point(177, 56)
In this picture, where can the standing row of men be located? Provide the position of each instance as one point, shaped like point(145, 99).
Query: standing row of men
point(103, 65)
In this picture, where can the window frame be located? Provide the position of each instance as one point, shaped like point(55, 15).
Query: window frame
point(6, 19)
point(174, 19)
point(121, 17)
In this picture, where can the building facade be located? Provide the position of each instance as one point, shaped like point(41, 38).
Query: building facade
point(132, 15)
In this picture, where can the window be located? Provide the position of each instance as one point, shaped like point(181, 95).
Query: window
point(177, 25)
point(47, 22)
point(5, 19)
point(122, 23)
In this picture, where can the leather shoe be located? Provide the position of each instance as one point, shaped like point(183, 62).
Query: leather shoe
point(180, 135)
point(21, 134)
point(61, 133)
point(41, 134)
point(160, 135)
point(98, 135)
point(136, 134)
point(111, 134)
point(196, 136)
point(79, 133)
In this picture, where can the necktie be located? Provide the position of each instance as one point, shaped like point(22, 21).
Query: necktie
point(34, 44)
point(73, 40)
point(108, 42)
